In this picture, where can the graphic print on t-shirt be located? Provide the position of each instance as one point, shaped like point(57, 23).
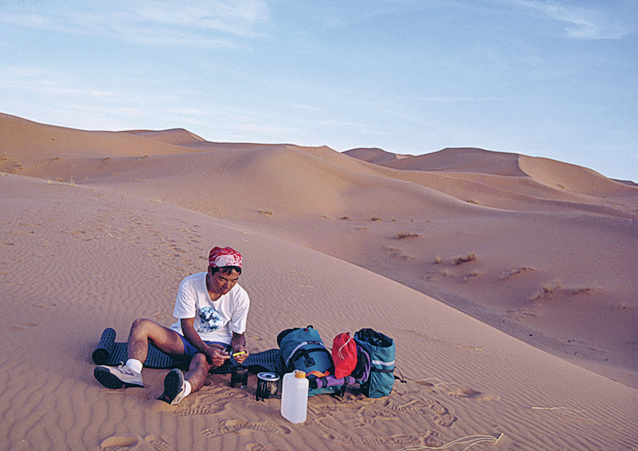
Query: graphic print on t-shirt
point(211, 320)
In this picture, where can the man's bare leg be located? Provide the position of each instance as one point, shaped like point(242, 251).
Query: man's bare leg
point(143, 332)
point(178, 385)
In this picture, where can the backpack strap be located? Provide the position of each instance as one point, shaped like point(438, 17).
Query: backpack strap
point(383, 362)
point(305, 354)
point(294, 353)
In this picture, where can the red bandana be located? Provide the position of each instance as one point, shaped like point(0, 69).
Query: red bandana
point(227, 256)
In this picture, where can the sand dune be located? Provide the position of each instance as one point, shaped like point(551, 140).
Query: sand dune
point(373, 155)
point(176, 136)
point(463, 160)
point(507, 282)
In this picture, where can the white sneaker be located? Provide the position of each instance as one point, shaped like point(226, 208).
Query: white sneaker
point(118, 376)
point(174, 387)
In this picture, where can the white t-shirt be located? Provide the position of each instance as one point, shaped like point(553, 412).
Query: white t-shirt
point(214, 320)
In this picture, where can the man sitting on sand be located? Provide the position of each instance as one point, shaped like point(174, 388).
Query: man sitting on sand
point(211, 309)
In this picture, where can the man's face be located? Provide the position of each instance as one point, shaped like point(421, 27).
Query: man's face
point(223, 282)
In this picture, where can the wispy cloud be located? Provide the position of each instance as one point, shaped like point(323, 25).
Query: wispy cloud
point(583, 23)
point(41, 81)
point(459, 99)
point(193, 22)
point(238, 18)
point(302, 106)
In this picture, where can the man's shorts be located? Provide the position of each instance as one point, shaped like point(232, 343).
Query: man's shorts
point(191, 350)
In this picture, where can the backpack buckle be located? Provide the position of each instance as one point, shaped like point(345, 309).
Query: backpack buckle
point(309, 361)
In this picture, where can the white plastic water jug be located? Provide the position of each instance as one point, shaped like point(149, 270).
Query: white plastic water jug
point(294, 397)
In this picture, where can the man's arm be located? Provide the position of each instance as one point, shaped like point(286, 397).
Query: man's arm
point(215, 354)
point(239, 345)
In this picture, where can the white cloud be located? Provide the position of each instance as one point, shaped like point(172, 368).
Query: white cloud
point(235, 17)
point(459, 99)
point(35, 80)
point(193, 22)
point(583, 23)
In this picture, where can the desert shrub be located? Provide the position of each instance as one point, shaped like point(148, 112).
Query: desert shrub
point(516, 271)
point(403, 235)
point(465, 259)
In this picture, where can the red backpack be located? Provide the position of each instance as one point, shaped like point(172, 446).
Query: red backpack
point(344, 355)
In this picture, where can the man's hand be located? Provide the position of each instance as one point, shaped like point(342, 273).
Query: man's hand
point(239, 345)
point(240, 354)
point(216, 355)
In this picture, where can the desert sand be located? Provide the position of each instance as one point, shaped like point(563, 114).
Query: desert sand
point(507, 282)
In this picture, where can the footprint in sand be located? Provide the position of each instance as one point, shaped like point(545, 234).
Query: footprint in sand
point(369, 417)
point(228, 426)
point(399, 439)
point(441, 416)
point(445, 420)
point(118, 442)
point(160, 314)
point(204, 405)
point(464, 393)
point(341, 438)
point(260, 447)
point(415, 406)
point(137, 443)
point(23, 327)
point(410, 392)
point(473, 394)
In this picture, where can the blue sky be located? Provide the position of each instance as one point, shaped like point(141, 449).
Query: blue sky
point(557, 79)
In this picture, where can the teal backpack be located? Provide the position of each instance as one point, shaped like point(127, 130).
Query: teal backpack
point(381, 351)
point(302, 349)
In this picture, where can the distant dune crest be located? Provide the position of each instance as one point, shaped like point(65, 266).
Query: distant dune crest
point(176, 136)
point(552, 173)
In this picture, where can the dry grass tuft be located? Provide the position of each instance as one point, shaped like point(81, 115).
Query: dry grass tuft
point(266, 212)
point(438, 260)
point(471, 275)
point(403, 235)
point(581, 290)
point(375, 219)
point(465, 259)
point(15, 168)
point(398, 253)
point(548, 290)
point(516, 271)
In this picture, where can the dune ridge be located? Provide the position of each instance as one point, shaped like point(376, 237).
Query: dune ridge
point(503, 290)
